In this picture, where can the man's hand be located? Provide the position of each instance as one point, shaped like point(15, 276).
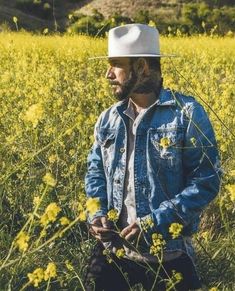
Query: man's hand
point(131, 233)
point(101, 229)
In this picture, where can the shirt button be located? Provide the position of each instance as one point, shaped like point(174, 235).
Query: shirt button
point(122, 150)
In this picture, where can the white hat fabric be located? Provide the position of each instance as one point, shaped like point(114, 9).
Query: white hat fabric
point(133, 40)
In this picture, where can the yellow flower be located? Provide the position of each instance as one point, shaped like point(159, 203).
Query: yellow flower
point(22, 241)
point(147, 223)
point(157, 244)
point(45, 31)
point(213, 289)
point(52, 159)
point(36, 200)
point(69, 266)
point(64, 221)
point(178, 276)
point(175, 279)
point(15, 19)
point(112, 215)
point(107, 252)
point(175, 229)
point(49, 180)
point(50, 271)
point(231, 189)
point(165, 142)
point(82, 216)
point(43, 233)
point(205, 235)
point(120, 253)
point(36, 277)
point(50, 214)
point(151, 23)
point(193, 141)
point(232, 173)
point(34, 114)
point(72, 152)
point(92, 205)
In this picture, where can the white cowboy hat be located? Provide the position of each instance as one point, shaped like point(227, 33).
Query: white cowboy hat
point(133, 40)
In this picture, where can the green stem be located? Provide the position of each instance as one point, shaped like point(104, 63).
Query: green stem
point(55, 236)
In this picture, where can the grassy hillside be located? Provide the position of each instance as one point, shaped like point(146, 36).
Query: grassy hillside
point(130, 7)
point(57, 18)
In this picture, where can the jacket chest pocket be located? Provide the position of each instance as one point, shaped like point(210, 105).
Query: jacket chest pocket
point(166, 146)
point(106, 139)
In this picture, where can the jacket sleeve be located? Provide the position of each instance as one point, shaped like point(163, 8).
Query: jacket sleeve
point(95, 180)
point(202, 178)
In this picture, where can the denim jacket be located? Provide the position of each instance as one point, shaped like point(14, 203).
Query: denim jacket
point(176, 165)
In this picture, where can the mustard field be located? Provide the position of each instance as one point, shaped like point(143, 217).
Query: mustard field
point(51, 94)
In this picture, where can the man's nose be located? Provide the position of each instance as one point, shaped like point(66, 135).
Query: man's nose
point(110, 74)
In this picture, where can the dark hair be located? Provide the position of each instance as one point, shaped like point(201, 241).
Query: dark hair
point(153, 62)
point(147, 83)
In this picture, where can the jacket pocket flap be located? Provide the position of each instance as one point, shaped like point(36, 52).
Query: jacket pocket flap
point(105, 137)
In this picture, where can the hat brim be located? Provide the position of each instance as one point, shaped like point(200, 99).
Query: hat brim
point(136, 55)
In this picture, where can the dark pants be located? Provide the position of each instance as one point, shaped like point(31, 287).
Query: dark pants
point(102, 275)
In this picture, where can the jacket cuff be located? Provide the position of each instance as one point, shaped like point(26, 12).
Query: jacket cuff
point(101, 212)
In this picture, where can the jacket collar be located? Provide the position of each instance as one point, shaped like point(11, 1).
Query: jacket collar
point(166, 98)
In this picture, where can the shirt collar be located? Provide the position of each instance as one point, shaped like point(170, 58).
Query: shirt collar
point(129, 111)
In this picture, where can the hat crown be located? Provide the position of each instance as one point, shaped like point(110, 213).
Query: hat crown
point(133, 40)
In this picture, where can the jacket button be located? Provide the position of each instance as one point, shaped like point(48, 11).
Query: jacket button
point(122, 150)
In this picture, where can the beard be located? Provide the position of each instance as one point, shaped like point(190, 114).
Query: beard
point(138, 85)
point(126, 87)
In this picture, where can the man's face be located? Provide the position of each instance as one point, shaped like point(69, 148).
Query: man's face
point(121, 77)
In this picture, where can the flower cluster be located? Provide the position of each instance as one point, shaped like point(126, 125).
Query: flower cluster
point(193, 141)
point(82, 216)
point(165, 142)
point(68, 265)
point(49, 180)
point(107, 254)
point(157, 244)
point(22, 241)
point(175, 279)
point(34, 114)
point(40, 274)
point(50, 214)
point(64, 221)
point(231, 189)
point(50, 271)
point(92, 205)
point(147, 223)
point(36, 277)
point(112, 215)
point(175, 229)
point(120, 253)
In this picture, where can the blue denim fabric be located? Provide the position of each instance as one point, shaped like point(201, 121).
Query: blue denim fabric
point(173, 183)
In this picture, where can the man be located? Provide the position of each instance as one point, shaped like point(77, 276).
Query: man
point(154, 161)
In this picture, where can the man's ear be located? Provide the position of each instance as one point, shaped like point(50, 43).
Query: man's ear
point(141, 67)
